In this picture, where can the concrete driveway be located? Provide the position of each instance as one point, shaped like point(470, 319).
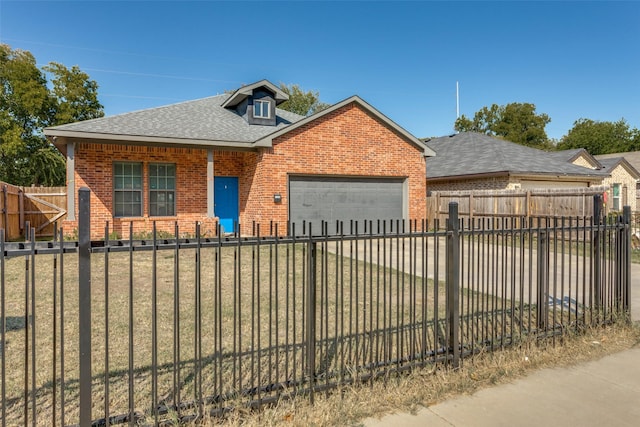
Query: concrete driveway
point(494, 263)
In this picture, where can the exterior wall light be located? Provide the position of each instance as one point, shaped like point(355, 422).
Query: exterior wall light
point(277, 198)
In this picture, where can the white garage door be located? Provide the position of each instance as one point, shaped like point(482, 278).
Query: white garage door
point(332, 199)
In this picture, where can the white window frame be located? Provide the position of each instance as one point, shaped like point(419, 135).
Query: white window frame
point(128, 188)
point(163, 188)
point(616, 201)
point(260, 107)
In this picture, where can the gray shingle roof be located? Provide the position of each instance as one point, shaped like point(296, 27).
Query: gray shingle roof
point(201, 120)
point(470, 153)
point(610, 163)
point(574, 153)
point(632, 157)
point(566, 155)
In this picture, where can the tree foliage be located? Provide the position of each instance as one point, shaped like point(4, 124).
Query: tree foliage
point(601, 137)
point(301, 102)
point(28, 105)
point(515, 122)
point(74, 94)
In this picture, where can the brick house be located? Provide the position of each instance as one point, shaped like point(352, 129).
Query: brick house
point(474, 161)
point(633, 158)
point(621, 178)
point(238, 159)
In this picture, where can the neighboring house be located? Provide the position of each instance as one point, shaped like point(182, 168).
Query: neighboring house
point(577, 156)
point(474, 161)
point(237, 158)
point(633, 157)
point(621, 176)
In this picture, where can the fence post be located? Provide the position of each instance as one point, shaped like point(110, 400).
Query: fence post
point(84, 292)
point(626, 274)
point(21, 219)
point(5, 210)
point(597, 279)
point(311, 315)
point(542, 296)
point(453, 282)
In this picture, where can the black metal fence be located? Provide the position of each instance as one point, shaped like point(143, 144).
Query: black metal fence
point(174, 328)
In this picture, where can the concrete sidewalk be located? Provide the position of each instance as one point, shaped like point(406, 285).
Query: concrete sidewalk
point(605, 392)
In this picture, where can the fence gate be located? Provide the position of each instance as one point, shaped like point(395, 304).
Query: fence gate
point(40, 207)
point(47, 213)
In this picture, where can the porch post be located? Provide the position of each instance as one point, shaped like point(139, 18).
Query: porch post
point(210, 174)
point(71, 181)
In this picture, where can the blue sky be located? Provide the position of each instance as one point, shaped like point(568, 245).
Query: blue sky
point(571, 59)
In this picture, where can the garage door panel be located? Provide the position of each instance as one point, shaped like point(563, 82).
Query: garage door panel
point(314, 199)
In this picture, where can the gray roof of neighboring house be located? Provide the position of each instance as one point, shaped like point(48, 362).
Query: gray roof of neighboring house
point(567, 155)
point(471, 154)
point(574, 153)
point(610, 163)
point(201, 120)
point(632, 157)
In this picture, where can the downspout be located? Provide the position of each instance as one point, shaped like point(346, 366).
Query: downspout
point(210, 194)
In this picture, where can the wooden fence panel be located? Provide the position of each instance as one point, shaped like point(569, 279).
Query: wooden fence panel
point(10, 204)
point(44, 206)
point(531, 203)
point(41, 207)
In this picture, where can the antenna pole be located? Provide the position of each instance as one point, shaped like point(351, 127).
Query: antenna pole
point(457, 101)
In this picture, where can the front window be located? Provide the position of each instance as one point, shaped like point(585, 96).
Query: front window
point(127, 189)
point(162, 189)
point(616, 197)
point(261, 110)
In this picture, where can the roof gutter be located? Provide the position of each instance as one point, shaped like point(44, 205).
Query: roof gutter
point(526, 175)
point(58, 137)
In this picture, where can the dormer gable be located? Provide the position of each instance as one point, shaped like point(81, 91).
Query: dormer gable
point(257, 102)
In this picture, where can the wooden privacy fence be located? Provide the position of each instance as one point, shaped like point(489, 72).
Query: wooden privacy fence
point(41, 207)
point(576, 202)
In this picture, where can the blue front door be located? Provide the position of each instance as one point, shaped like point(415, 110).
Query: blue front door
point(225, 201)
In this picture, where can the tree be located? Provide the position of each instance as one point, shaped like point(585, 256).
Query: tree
point(301, 102)
point(515, 122)
point(27, 105)
point(601, 137)
point(75, 95)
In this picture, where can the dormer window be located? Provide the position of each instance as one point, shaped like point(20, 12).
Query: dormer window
point(257, 103)
point(261, 109)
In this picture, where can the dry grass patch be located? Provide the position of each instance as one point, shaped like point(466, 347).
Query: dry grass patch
point(426, 387)
point(247, 315)
point(231, 323)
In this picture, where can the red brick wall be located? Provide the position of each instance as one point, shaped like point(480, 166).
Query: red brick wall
point(94, 169)
point(346, 142)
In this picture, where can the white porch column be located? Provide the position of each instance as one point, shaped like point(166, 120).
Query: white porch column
point(210, 172)
point(71, 181)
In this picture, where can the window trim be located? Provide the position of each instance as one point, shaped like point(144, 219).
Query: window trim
point(265, 106)
point(123, 190)
point(616, 206)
